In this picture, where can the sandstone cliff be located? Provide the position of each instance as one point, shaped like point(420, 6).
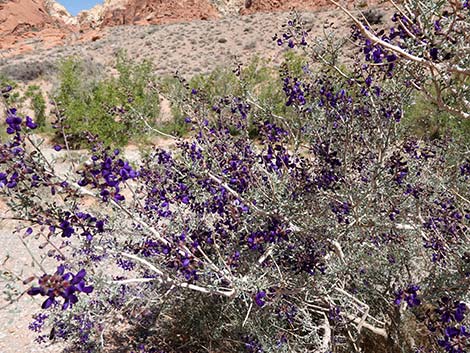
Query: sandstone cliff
point(33, 20)
point(124, 12)
point(29, 24)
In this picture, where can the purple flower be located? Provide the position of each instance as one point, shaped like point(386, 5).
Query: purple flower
point(456, 339)
point(252, 345)
point(409, 295)
point(67, 229)
point(100, 226)
point(259, 298)
point(450, 311)
point(7, 89)
point(13, 121)
point(61, 284)
point(30, 123)
point(464, 169)
point(38, 323)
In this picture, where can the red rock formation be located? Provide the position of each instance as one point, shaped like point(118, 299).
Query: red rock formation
point(124, 12)
point(27, 20)
point(25, 24)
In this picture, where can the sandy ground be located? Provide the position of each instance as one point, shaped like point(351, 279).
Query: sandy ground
point(15, 336)
point(16, 262)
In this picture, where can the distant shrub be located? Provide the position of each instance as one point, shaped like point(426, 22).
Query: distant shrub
point(28, 70)
point(38, 104)
point(257, 83)
point(111, 108)
point(427, 121)
point(373, 16)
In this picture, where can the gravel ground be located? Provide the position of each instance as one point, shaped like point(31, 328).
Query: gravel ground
point(15, 336)
point(16, 262)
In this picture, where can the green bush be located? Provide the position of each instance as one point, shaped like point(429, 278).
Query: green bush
point(425, 120)
point(37, 104)
point(257, 82)
point(112, 108)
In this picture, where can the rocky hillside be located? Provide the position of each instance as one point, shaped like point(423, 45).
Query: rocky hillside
point(252, 6)
point(122, 12)
point(30, 25)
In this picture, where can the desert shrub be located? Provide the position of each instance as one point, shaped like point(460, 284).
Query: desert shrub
point(336, 231)
point(13, 97)
point(37, 104)
point(256, 83)
point(28, 70)
point(427, 121)
point(111, 108)
point(373, 16)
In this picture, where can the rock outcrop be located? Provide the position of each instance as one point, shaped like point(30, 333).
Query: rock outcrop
point(125, 12)
point(91, 18)
point(32, 21)
point(59, 12)
point(26, 24)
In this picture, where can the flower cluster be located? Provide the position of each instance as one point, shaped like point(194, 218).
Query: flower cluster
point(375, 53)
point(70, 223)
point(272, 132)
point(38, 323)
point(275, 232)
point(329, 164)
point(341, 210)
point(13, 154)
point(61, 284)
point(295, 35)
point(108, 173)
point(252, 345)
point(408, 295)
point(465, 170)
point(445, 323)
point(295, 91)
point(445, 225)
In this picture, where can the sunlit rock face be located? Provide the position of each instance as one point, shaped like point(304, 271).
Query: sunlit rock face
point(33, 21)
point(26, 25)
point(121, 12)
